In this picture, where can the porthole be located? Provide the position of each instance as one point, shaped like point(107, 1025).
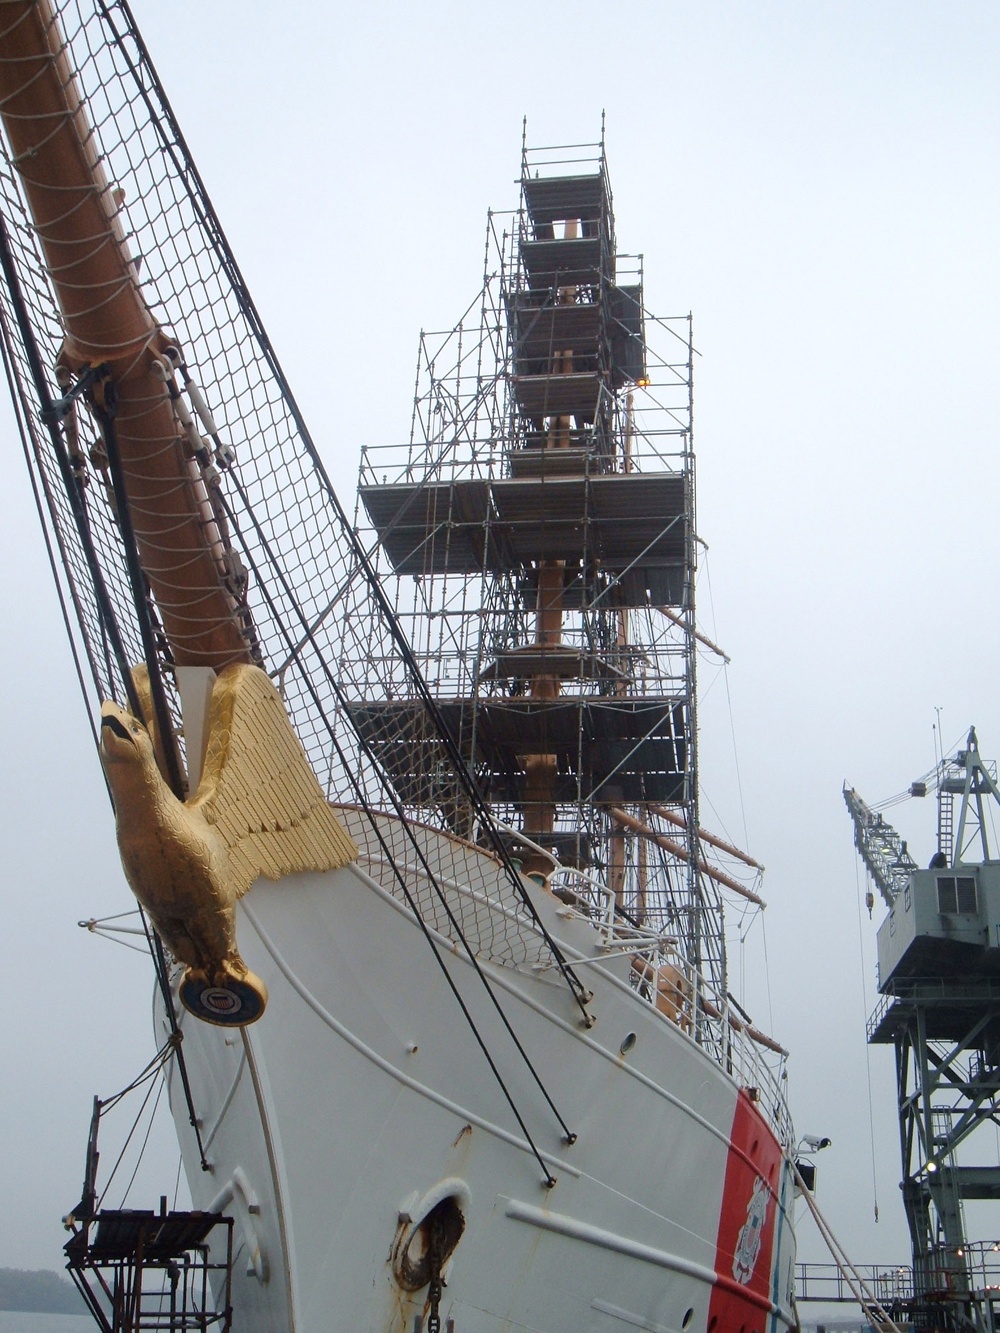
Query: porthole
point(628, 1041)
point(688, 1316)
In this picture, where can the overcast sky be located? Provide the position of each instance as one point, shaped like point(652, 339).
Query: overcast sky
point(818, 183)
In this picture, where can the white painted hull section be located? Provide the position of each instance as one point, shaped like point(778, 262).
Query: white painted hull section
point(362, 1092)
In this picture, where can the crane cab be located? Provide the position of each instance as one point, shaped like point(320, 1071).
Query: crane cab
point(945, 921)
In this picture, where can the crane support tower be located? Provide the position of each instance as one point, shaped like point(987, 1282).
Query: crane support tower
point(939, 979)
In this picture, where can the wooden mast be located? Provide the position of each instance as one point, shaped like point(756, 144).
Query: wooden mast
point(540, 770)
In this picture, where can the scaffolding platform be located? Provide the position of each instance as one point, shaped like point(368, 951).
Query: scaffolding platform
point(435, 528)
point(145, 1272)
point(539, 462)
point(613, 520)
point(561, 663)
point(579, 261)
point(540, 327)
point(549, 199)
point(577, 394)
point(610, 749)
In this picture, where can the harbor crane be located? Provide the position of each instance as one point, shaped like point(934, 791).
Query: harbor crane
point(939, 980)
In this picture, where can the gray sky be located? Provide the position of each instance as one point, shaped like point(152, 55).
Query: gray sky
point(818, 182)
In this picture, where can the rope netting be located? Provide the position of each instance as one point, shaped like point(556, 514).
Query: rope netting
point(291, 576)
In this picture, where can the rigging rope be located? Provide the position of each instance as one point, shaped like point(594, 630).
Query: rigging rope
point(860, 1290)
point(147, 1072)
point(142, 1149)
point(400, 878)
point(108, 621)
point(729, 704)
point(864, 1019)
point(767, 971)
point(46, 537)
point(73, 490)
point(52, 413)
point(148, 1075)
point(176, 1035)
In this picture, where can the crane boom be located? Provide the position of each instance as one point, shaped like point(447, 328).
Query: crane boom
point(880, 846)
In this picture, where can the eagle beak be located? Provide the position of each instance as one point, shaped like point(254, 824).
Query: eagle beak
point(112, 723)
point(114, 729)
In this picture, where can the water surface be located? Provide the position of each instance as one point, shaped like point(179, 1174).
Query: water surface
point(21, 1321)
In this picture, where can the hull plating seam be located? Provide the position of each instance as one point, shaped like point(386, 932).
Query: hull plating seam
point(210, 1136)
point(500, 979)
point(386, 1066)
point(609, 1240)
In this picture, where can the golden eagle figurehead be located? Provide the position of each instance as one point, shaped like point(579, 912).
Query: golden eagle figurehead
point(258, 811)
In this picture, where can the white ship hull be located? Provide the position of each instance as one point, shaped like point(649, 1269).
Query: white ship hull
point(362, 1098)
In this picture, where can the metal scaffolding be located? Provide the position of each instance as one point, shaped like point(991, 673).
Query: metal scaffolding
point(538, 533)
point(145, 1272)
point(141, 1271)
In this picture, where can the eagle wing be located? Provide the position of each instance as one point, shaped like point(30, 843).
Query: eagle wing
point(258, 789)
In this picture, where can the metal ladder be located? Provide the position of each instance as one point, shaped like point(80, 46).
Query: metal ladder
point(946, 824)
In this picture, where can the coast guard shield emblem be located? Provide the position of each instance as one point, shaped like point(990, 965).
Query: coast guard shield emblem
point(751, 1233)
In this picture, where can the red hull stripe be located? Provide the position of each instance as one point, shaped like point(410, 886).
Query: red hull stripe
point(744, 1249)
